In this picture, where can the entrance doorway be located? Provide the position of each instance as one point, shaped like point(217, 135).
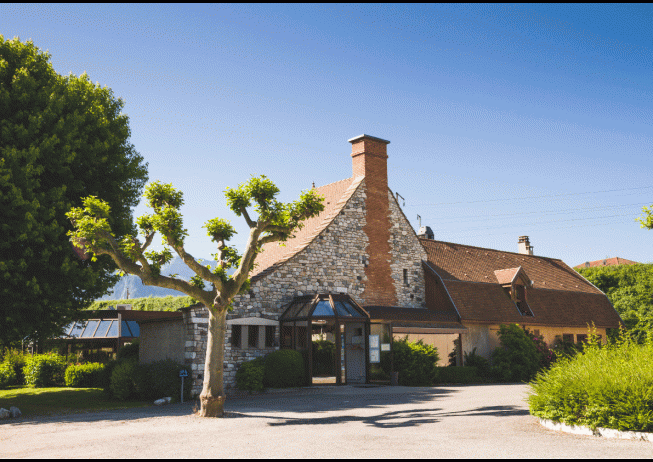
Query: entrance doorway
point(337, 337)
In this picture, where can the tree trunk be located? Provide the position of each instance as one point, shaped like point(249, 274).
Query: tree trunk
point(212, 397)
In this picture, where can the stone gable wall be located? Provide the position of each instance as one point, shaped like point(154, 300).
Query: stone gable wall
point(334, 262)
point(407, 253)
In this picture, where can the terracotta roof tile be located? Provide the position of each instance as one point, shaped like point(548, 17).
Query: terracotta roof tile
point(559, 295)
point(607, 262)
point(336, 196)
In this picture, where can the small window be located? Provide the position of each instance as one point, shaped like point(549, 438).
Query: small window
point(405, 277)
point(581, 338)
point(536, 332)
point(252, 336)
point(568, 338)
point(269, 336)
point(235, 336)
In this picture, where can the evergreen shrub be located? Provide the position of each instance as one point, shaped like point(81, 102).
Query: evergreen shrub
point(17, 360)
point(250, 375)
point(458, 374)
point(517, 359)
point(608, 386)
point(46, 370)
point(124, 381)
point(284, 369)
point(89, 375)
point(7, 375)
point(161, 379)
point(416, 362)
point(482, 365)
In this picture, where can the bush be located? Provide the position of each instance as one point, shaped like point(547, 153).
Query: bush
point(108, 372)
point(250, 375)
point(7, 375)
point(17, 360)
point(90, 375)
point(160, 379)
point(458, 374)
point(128, 351)
point(123, 380)
point(481, 364)
point(517, 359)
point(283, 369)
point(607, 386)
point(416, 363)
point(45, 370)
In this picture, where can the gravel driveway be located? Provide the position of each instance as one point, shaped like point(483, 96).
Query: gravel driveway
point(452, 421)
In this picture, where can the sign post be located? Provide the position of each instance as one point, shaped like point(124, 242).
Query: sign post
point(182, 373)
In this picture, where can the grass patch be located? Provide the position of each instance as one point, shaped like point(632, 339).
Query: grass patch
point(50, 401)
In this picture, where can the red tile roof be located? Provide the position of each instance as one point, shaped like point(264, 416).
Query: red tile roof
point(559, 295)
point(336, 195)
point(607, 262)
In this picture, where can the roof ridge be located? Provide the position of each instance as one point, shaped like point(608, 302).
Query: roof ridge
point(339, 181)
point(487, 248)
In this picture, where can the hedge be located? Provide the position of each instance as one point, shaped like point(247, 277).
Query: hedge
point(416, 362)
point(458, 374)
point(250, 375)
point(46, 370)
point(90, 375)
point(284, 369)
point(7, 375)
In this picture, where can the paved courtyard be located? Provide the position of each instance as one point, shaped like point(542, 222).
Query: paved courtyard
point(341, 422)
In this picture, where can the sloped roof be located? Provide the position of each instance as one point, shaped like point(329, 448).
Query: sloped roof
point(558, 296)
point(336, 195)
point(607, 262)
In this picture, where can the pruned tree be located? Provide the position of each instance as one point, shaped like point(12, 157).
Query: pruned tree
point(646, 220)
point(274, 222)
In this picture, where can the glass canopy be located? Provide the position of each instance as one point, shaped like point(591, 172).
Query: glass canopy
point(331, 306)
point(101, 328)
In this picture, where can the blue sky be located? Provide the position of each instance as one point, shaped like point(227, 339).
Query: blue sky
point(504, 120)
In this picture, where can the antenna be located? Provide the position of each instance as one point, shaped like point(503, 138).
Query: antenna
point(420, 220)
point(402, 198)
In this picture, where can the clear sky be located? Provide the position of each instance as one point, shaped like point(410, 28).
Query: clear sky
point(504, 120)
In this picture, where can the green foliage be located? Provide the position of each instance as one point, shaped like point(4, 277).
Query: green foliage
point(46, 370)
point(17, 359)
point(629, 288)
point(61, 138)
point(161, 379)
point(459, 374)
point(167, 303)
point(646, 220)
point(284, 369)
point(607, 386)
point(7, 375)
point(482, 365)
point(416, 362)
point(219, 230)
point(128, 351)
point(123, 381)
point(89, 375)
point(324, 358)
point(250, 375)
point(517, 359)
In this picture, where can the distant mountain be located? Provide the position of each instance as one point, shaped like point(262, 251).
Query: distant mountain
point(136, 288)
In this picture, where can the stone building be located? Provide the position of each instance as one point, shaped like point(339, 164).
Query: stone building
point(358, 275)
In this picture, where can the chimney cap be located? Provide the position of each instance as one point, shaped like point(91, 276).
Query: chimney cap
point(367, 137)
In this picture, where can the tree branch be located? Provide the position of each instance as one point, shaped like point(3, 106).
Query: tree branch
point(249, 221)
point(201, 270)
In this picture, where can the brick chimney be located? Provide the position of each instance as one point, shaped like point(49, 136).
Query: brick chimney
point(370, 159)
point(525, 246)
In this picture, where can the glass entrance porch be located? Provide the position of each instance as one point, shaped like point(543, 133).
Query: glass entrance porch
point(332, 331)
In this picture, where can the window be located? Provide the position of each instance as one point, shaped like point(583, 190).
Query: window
point(252, 336)
point(405, 277)
point(568, 338)
point(235, 336)
point(581, 338)
point(269, 336)
point(520, 301)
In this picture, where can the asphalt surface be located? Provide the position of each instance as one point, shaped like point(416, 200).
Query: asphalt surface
point(477, 421)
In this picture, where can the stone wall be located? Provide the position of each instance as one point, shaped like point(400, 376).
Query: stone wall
point(407, 254)
point(161, 340)
point(333, 263)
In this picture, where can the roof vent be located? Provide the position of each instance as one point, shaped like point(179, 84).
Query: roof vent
point(123, 307)
point(426, 232)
